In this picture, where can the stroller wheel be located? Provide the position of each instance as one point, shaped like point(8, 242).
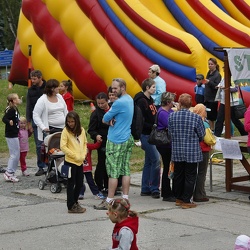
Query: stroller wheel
point(55, 188)
point(41, 185)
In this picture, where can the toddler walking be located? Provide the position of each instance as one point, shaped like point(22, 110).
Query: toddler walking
point(126, 225)
point(87, 172)
point(11, 120)
point(23, 136)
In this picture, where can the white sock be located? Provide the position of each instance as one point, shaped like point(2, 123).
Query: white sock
point(125, 196)
point(109, 199)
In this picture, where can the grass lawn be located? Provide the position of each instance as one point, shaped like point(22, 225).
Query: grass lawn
point(82, 109)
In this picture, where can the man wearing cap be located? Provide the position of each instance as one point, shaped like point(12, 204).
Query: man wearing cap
point(199, 89)
point(154, 72)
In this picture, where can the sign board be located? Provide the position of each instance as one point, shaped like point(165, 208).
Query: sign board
point(6, 57)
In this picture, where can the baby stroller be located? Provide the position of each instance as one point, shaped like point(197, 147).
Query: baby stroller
point(54, 157)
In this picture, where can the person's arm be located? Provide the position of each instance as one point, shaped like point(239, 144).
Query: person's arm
point(38, 112)
point(93, 125)
point(214, 80)
point(126, 238)
point(7, 118)
point(247, 120)
point(201, 129)
point(64, 145)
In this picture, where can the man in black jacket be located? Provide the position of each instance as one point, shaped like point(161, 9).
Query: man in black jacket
point(34, 93)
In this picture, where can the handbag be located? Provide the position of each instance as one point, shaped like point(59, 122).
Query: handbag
point(209, 138)
point(240, 109)
point(159, 137)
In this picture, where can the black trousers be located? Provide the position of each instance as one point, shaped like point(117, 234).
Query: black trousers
point(184, 180)
point(221, 118)
point(74, 184)
point(166, 190)
point(100, 176)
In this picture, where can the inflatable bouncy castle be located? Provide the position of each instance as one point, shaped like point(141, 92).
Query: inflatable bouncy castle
point(93, 41)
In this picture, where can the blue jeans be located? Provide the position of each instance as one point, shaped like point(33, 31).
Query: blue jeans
point(40, 164)
point(151, 170)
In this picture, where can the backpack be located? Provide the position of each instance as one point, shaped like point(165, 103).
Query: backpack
point(137, 123)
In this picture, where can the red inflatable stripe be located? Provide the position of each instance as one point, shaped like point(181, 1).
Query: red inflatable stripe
point(63, 49)
point(158, 34)
point(227, 30)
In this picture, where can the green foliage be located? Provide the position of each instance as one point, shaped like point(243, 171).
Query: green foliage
point(10, 10)
point(81, 108)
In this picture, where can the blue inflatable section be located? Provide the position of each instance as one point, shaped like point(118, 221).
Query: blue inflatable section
point(173, 67)
point(218, 4)
point(208, 44)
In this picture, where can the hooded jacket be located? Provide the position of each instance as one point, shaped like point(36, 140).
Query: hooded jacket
point(148, 111)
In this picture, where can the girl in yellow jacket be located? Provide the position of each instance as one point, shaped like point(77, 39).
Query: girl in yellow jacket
point(74, 145)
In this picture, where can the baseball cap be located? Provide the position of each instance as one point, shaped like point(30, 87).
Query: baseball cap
point(155, 68)
point(199, 76)
point(242, 242)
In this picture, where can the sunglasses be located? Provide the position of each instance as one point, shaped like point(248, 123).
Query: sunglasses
point(198, 78)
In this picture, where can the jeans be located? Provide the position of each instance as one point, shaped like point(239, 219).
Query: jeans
point(91, 183)
point(14, 151)
point(40, 164)
point(151, 170)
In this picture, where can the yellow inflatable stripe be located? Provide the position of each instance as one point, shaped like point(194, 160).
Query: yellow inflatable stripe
point(205, 27)
point(196, 59)
point(158, 9)
point(153, 43)
point(235, 13)
point(41, 58)
point(93, 46)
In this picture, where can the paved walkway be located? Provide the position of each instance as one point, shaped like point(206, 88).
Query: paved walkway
point(45, 223)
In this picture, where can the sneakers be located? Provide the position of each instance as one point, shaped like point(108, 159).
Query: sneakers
point(40, 172)
point(100, 196)
point(80, 197)
point(102, 206)
point(188, 205)
point(2, 170)
point(10, 177)
point(77, 209)
point(26, 173)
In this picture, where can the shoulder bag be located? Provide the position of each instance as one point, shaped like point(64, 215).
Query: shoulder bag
point(159, 137)
point(240, 109)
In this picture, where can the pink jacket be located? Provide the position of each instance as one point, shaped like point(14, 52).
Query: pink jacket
point(23, 136)
point(247, 124)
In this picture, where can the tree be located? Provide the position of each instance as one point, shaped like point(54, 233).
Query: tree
point(2, 46)
point(10, 10)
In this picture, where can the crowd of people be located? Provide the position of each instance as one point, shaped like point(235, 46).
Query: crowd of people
point(50, 109)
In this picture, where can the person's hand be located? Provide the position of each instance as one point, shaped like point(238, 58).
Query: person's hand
point(206, 81)
point(99, 138)
point(112, 122)
point(30, 128)
point(11, 123)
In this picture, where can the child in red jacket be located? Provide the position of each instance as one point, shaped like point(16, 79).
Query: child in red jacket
point(126, 224)
point(87, 172)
